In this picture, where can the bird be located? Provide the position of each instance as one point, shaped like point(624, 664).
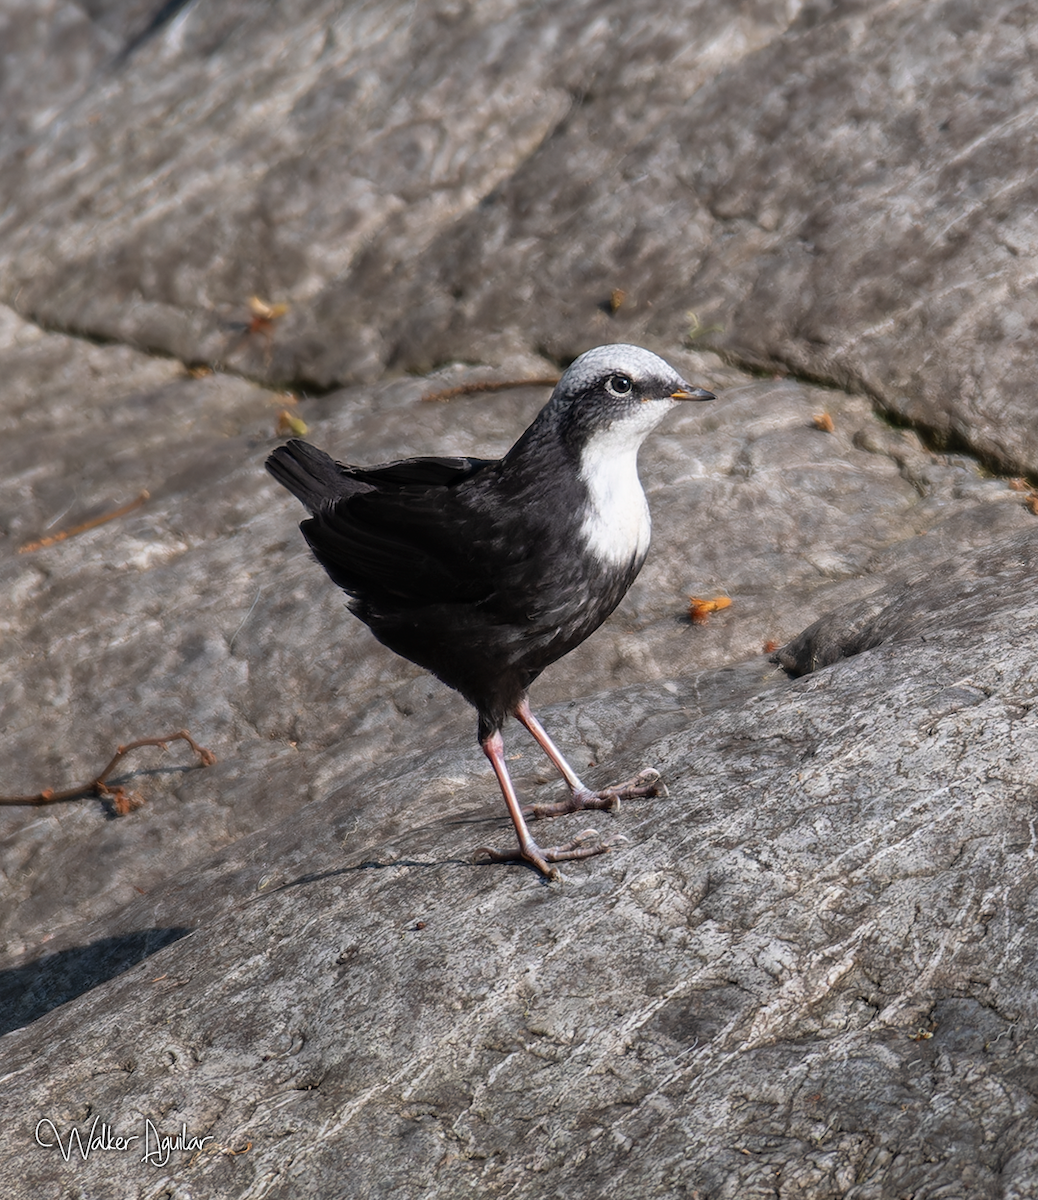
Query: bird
point(486, 571)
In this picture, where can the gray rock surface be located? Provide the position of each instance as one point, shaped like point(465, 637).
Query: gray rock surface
point(810, 969)
point(843, 190)
point(292, 952)
point(203, 609)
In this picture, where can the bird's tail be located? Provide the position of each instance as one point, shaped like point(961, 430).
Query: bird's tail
point(309, 474)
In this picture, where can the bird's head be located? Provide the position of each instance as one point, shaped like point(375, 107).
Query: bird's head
point(618, 391)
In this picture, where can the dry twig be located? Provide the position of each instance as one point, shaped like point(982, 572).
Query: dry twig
point(122, 801)
point(488, 385)
point(93, 523)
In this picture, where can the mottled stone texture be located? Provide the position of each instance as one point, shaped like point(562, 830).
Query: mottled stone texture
point(810, 971)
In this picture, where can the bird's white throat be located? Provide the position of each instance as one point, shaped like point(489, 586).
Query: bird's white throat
point(617, 526)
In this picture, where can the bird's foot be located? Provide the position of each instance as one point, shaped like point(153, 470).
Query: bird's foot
point(645, 784)
point(580, 847)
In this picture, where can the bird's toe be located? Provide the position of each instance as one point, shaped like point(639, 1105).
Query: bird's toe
point(644, 785)
point(585, 845)
point(606, 801)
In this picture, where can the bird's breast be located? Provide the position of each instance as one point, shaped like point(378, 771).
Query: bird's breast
point(616, 526)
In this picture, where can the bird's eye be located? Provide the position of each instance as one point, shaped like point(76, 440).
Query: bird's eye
point(618, 385)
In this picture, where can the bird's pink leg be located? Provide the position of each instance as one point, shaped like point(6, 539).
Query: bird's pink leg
point(645, 783)
point(494, 749)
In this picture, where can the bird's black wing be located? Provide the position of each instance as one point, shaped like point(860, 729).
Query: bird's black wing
point(421, 472)
point(316, 479)
point(420, 532)
point(412, 545)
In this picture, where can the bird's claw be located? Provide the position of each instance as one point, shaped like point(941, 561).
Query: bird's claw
point(644, 785)
point(542, 859)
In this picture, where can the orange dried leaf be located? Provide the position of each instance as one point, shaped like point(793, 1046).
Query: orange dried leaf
point(290, 426)
point(265, 311)
point(699, 610)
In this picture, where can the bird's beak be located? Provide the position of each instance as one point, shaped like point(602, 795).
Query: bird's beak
point(692, 393)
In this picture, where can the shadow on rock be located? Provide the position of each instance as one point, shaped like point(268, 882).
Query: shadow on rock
point(30, 991)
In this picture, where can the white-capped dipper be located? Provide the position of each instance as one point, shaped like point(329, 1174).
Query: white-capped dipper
point(486, 571)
